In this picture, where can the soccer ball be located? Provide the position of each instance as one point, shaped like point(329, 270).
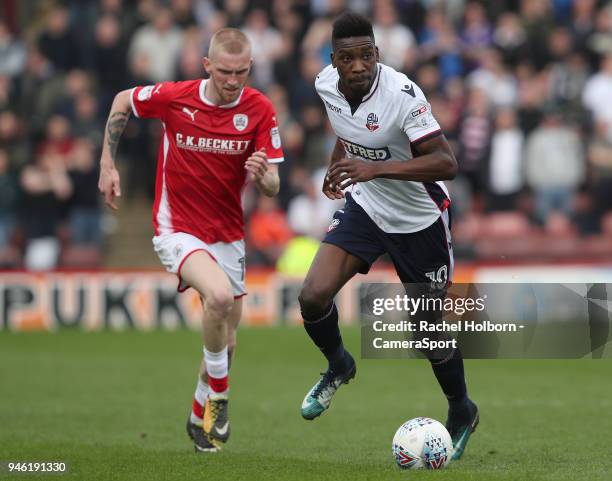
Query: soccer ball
point(422, 443)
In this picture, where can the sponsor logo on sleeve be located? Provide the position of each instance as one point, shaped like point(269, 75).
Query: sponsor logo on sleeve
point(145, 93)
point(419, 111)
point(275, 136)
point(422, 115)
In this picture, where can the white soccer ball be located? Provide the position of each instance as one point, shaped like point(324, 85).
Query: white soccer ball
point(422, 443)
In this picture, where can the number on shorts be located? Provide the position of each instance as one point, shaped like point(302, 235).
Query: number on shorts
point(441, 275)
point(242, 267)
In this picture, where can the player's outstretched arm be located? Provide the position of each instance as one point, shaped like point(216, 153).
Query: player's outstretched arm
point(264, 174)
point(109, 183)
point(434, 160)
point(328, 189)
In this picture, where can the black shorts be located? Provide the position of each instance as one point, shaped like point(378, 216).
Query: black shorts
point(418, 257)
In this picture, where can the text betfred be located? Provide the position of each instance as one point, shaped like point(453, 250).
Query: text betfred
point(368, 153)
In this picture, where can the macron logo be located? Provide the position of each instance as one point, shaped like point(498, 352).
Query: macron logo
point(190, 113)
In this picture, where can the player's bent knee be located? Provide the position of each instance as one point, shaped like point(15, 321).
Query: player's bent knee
point(313, 301)
point(219, 302)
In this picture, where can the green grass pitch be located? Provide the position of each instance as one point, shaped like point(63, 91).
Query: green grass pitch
point(113, 405)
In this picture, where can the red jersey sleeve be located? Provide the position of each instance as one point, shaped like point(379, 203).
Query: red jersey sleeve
point(151, 101)
point(268, 135)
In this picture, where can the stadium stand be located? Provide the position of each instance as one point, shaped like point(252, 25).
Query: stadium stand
point(522, 88)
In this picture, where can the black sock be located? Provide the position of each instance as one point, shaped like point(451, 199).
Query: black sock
point(451, 377)
point(325, 334)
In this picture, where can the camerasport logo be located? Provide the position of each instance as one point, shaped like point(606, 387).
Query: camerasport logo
point(372, 122)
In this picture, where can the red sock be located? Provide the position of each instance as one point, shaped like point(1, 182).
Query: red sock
point(218, 384)
point(197, 409)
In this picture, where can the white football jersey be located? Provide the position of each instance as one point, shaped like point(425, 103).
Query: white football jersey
point(391, 118)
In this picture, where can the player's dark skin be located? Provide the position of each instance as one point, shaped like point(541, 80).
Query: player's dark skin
point(356, 59)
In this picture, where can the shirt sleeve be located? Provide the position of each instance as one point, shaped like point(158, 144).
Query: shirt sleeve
point(268, 135)
point(151, 101)
point(418, 121)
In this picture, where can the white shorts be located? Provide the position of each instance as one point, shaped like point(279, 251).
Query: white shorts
point(174, 249)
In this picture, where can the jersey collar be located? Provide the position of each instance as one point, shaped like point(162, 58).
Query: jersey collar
point(204, 99)
point(374, 85)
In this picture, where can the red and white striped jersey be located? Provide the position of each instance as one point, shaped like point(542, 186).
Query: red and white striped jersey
point(200, 167)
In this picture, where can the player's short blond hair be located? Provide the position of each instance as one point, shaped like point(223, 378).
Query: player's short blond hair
point(230, 40)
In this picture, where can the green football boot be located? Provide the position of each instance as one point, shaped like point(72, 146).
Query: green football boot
point(320, 396)
point(461, 427)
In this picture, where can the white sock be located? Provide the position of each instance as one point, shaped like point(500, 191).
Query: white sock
point(201, 392)
point(200, 395)
point(217, 368)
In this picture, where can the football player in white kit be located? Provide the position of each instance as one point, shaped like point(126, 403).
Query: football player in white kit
point(389, 163)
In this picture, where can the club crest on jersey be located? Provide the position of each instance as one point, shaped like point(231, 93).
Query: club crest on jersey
point(372, 122)
point(240, 122)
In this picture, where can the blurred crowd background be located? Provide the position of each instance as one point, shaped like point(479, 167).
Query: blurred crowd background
point(522, 89)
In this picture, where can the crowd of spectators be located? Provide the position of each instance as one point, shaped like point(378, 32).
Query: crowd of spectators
point(521, 88)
